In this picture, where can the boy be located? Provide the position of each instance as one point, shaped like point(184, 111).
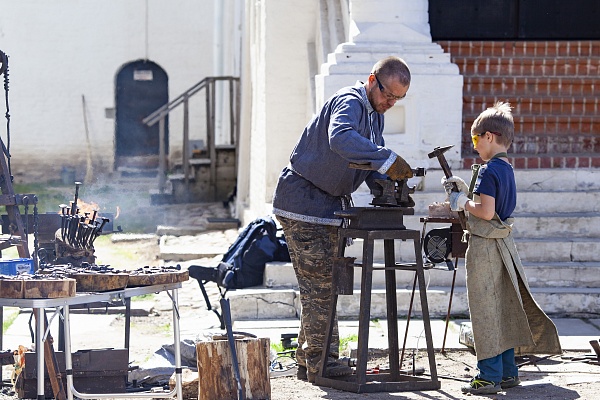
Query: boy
point(505, 317)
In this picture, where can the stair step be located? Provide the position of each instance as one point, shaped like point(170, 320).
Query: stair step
point(563, 125)
point(527, 202)
point(534, 105)
point(261, 303)
point(562, 48)
point(527, 66)
point(515, 86)
point(539, 274)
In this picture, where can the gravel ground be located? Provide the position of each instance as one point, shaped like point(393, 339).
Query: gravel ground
point(552, 378)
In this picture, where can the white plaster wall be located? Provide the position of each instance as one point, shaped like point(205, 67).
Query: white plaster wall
point(61, 50)
point(280, 77)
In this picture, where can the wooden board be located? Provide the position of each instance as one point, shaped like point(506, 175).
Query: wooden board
point(11, 288)
point(100, 282)
point(160, 278)
point(48, 288)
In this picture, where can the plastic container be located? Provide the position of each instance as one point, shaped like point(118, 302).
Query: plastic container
point(16, 266)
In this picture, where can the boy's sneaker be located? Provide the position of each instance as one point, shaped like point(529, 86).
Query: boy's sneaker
point(481, 386)
point(510, 382)
point(302, 373)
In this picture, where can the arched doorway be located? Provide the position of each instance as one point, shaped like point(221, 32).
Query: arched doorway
point(141, 88)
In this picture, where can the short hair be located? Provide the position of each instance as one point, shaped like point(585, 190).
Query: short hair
point(499, 119)
point(392, 67)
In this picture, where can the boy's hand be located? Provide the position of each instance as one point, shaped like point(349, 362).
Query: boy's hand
point(448, 186)
point(399, 170)
point(457, 201)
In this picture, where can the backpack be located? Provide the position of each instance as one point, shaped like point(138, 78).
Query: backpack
point(244, 262)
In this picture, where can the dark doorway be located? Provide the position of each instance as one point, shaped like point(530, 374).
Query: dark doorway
point(514, 19)
point(141, 88)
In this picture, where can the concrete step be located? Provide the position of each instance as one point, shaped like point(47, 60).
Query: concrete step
point(540, 191)
point(539, 274)
point(547, 249)
point(261, 303)
point(527, 202)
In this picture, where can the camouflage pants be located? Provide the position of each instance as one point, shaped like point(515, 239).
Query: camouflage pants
point(312, 248)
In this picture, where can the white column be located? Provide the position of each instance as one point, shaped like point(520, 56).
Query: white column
point(431, 114)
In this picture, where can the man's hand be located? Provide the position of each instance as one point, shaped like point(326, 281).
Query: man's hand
point(457, 201)
point(399, 170)
point(448, 186)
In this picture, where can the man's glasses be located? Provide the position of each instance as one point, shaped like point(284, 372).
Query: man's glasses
point(389, 96)
point(475, 137)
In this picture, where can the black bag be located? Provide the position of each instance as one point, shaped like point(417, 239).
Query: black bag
point(244, 262)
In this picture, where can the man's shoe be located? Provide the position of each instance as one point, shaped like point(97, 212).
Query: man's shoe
point(302, 373)
point(481, 386)
point(334, 368)
point(510, 382)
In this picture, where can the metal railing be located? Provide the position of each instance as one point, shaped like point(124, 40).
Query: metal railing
point(159, 116)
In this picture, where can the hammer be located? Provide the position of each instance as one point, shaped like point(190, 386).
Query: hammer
point(439, 153)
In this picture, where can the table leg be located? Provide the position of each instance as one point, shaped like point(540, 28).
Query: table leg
point(68, 355)
point(39, 349)
point(177, 348)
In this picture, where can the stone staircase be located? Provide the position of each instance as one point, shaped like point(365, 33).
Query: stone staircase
point(557, 231)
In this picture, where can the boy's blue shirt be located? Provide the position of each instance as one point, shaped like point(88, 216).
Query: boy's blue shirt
point(497, 179)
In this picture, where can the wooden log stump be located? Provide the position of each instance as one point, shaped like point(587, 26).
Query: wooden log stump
point(189, 384)
point(215, 369)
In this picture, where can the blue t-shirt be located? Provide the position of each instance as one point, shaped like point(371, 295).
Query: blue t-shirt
point(497, 179)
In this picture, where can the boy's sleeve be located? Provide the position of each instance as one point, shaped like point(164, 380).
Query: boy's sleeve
point(486, 183)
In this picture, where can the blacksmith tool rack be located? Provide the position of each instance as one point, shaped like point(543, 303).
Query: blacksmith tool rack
point(382, 222)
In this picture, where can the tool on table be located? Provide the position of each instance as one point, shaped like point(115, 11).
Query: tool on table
point(439, 153)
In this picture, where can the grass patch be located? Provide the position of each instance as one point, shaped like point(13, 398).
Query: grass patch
point(147, 296)
point(49, 196)
point(277, 347)
point(8, 319)
point(346, 340)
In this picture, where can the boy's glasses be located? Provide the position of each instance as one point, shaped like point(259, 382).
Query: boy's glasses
point(475, 137)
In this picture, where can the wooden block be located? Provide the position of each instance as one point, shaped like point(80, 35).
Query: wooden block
point(159, 278)
point(48, 288)
point(190, 383)
point(215, 369)
point(100, 282)
point(11, 288)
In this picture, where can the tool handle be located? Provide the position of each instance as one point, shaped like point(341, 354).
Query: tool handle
point(446, 168)
point(236, 368)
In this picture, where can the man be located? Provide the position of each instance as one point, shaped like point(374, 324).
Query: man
point(318, 182)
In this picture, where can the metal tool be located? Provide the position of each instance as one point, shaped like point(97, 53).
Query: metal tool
point(230, 339)
point(75, 208)
point(439, 153)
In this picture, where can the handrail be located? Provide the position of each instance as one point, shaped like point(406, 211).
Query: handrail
point(154, 117)
point(161, 114)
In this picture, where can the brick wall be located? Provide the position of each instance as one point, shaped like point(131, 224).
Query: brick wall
point(553, 87)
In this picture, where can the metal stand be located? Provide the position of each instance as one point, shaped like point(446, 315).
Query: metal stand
point(392, 380)
point(458, 251)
